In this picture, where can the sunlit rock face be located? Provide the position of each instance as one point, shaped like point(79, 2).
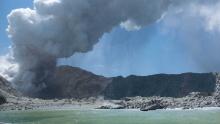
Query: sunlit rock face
point(6, 88)
point(6, 91)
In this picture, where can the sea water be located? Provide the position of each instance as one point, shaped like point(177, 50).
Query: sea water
point(197, 116)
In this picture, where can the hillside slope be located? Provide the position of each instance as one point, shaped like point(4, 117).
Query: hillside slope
point(6, 88)
point(73, 82)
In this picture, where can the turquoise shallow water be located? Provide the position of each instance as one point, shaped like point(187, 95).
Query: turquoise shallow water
point(111, 117)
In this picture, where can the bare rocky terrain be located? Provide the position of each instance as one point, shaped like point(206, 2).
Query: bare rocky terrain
point(74, 88)
point(73, 82)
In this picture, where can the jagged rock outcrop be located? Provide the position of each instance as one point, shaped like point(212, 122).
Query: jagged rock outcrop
point(6, 88)
point(7, 91)
point(73, 82)
point(217, 89)
point(164, 85)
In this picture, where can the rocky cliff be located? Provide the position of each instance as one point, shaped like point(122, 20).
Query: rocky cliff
point(6, 88)
point(164, 85)
point(72, 82)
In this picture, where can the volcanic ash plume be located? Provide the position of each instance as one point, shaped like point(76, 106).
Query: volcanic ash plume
point(59, 28)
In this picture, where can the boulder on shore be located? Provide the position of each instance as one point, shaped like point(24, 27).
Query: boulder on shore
point(153, 107)
point(111, 107)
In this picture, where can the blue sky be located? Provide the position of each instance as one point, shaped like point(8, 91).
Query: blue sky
point(143, 52)
point(5, 8)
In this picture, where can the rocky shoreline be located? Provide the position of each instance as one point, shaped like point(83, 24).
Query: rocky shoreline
point(193, 100)
point(11, 99)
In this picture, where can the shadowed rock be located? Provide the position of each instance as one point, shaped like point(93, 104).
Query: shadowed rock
point(72, 82)
point(164, 85)
point(153, 107)
point(2, 100)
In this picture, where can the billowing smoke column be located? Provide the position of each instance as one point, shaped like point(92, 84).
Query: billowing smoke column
point(59, 28)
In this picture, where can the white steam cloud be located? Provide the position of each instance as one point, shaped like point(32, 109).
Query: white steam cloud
point(59, 28)
point(130, 26)
point(8, 67)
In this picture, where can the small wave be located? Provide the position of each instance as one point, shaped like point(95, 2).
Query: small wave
point(204, 109)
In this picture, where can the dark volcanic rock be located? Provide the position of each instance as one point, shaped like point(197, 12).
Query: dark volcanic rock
point(72, 82)
point(105, 107)
point(111, 107)
point(153, 107)
point(2, 100)
point(164, 85)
